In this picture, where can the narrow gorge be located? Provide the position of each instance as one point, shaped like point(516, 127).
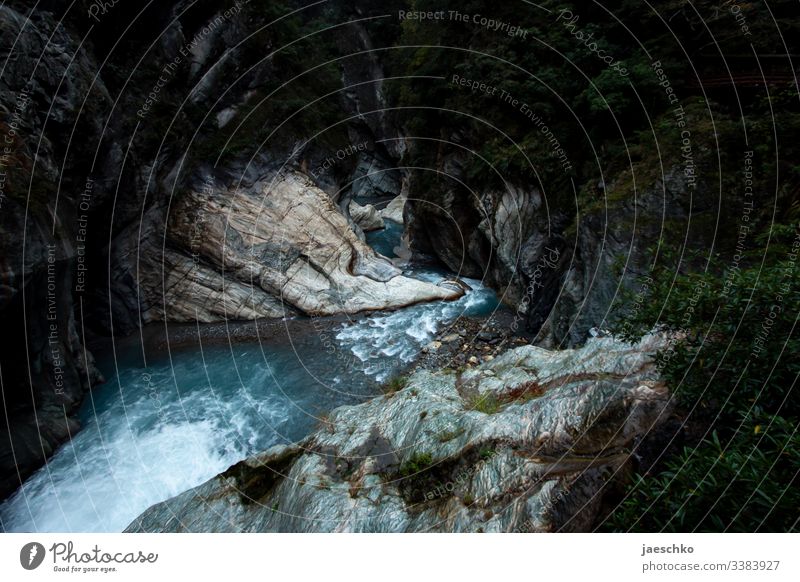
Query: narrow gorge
point(274, 266)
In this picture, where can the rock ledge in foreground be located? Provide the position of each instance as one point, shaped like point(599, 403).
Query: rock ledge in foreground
point(526, 442)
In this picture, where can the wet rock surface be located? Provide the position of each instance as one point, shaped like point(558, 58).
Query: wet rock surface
point(528, 441)
point(394, 210)
point(367, 217)
point(471, 340)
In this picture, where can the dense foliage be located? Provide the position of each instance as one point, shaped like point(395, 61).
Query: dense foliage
point(591, 109)
point(734, 372)
point(736, 302)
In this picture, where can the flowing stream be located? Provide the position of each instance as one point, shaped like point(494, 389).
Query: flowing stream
point(160, 427)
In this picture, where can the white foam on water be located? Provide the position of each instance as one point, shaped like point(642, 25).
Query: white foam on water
point(90, 486)
point(202, 412)
point(136, 453)
point(407, 330)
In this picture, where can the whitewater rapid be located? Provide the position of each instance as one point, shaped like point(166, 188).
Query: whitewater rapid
point(160, 427)
point(396, 338)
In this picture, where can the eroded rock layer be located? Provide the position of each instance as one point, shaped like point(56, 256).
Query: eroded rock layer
point(279, 247)
point(526, 442)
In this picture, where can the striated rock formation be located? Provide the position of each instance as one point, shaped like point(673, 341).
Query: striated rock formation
point(366, 217)
point(613, 245)
point(564, 260)
point(527, 442)
point(244, 254)
point(394, 210)
point(561, 273)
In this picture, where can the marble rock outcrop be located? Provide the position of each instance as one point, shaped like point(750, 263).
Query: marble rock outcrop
point(367, 217)
point(278, 247)
point(527, 442)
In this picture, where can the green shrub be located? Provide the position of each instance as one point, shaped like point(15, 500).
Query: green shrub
point(395, 384)
point(487, 404)
point(416, 463)
point(732, 373)
point(744, 484)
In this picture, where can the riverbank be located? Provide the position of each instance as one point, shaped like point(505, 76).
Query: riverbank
point(529, 441)
point(183, 402)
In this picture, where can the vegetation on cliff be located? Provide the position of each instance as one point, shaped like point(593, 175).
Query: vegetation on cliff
point(733, 374)
point(705, 118)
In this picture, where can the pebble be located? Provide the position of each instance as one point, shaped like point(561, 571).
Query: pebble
point(487, 335)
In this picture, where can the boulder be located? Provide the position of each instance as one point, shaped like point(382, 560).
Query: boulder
point(526, 442)
point(366, 217)
point(276, 248)
point(394, 210)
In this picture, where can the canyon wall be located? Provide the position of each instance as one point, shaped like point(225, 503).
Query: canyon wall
point(166, 169)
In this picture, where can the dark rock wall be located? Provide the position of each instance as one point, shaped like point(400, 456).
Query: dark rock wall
point(109, 116)
point(96, 163)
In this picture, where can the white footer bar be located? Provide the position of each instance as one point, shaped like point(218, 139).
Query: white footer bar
point(415, 557)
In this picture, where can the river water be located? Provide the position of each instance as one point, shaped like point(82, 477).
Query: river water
point(161, 426)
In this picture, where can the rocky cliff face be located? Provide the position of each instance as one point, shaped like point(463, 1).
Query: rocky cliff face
point(563, 271)
point(45, 194)
point(279, 246)
point(109, 140)
point(527, 442)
